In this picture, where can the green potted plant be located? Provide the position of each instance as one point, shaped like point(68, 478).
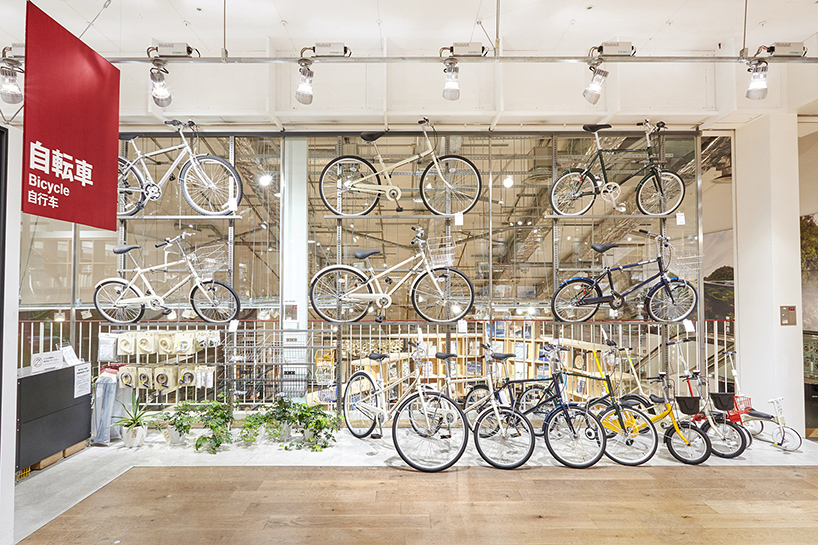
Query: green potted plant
point(135, 423)
point(176, 425)
point(317, 425)
point(216, 416)
point(280, 419)
point(253, 424)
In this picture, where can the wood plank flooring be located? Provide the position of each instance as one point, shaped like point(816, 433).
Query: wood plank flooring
point(389, 506)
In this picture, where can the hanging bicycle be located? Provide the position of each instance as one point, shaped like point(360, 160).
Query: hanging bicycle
point(209, 184)
point(350, 186)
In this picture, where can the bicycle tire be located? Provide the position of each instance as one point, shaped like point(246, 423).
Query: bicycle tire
point(358, 421)
point(571, 186)
point(651, 195)
point(727, 441)
point(462, 189)
point(695, 451)
point(216, 303)
point(210, 197)
point(565, 299)
point(325, 298)
point(478, 393)
point(661, 309)
point(753, 426)
point(130, 190)
point(748, 437)
point(639, 402)
point(534, 405)
point(433, 438)
point(437, 308)
point(587, 441)
point(104, 301)
point(636, 443)
point(506, 443)
point(353, 202)
point(789, 441)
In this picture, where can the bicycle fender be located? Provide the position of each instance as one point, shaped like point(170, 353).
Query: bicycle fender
point(121, 281)
point(347, 267)
point(580, 170)
point(574, 278)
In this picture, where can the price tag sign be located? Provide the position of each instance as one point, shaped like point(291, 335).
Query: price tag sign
point(680, 218)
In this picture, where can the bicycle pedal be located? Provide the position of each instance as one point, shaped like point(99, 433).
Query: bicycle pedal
point(379, 319)
point(376, 436)
point(445, 435)
point(166, 311)
point(399, 209)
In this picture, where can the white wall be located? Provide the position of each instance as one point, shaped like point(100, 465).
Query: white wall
point(808, 171)
point(8, 426)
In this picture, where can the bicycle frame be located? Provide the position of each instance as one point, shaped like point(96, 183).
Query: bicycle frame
point(597, 157)
point(606, 273)
point(364, 183)
point(379, 411)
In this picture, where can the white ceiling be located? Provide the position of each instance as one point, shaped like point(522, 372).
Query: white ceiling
point(421, 27)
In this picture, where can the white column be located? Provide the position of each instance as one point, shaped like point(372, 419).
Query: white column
point(294, 253)
point(768, 264)
point(11, 266)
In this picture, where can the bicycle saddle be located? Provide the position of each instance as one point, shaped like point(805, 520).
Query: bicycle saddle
point(129, 137)
point(371, 136)
point(377, 356)
point(594, 128)
point(125, 249)
point(445, 355)
point(503, 357)
point(759, 414)
point(656, 399)
point(602, 248)
point(363, 254)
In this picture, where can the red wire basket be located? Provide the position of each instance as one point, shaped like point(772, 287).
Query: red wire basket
point(742, 405)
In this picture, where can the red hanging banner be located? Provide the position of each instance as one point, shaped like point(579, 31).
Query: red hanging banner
point(70, 127)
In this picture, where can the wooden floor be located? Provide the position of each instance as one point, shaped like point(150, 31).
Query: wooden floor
point(389, 506)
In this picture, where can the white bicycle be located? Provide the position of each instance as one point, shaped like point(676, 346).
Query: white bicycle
point(120, 301)
point(209, 184)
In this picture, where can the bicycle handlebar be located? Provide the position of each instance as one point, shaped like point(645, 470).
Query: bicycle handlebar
point(183, 235)
point(176, 123)
point(424, 121)
point(413, 345)
point(670, 343)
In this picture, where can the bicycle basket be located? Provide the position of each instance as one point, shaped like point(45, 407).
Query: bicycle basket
point(209, 260)
point(441, 251)
point(723, 401)
point(688, 405)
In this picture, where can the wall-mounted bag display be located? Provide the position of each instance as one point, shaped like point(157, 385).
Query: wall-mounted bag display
point(107, 347)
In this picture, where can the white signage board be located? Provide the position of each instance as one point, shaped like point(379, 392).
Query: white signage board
point(82, 380)
point(45, 361)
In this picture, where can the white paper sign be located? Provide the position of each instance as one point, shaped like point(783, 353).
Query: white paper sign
point(462, 326)
point(458, 218)
point(689, 327)
point(69, 356)
point(233, 326)
point(82, 380)
point(680, 218)
point(46, 361)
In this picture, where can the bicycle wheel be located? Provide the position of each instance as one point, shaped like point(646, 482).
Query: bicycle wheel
point(599, 406)
point(476, 400)
point(673, 303)
point(534, 404)
point(444, 295)
point(337, 192)
point(359, 390)
point(786, 438)
point(631, 445)
point(457, 191)
point(430, 431)
point(208, 186)
point(328, 294)
point(573, 193)
point(659, 197)
point(565, 304)
point(130, 190)
point(753, 426)
point(106, 299)
point(215, 302)
point(574, 437)
point(748, 437)
point(507, 442)
point(726, 439)
point(692, 447)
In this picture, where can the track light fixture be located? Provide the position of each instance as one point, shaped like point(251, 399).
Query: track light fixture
point(304, 92)
point(451, 89)
point(594, 89)
point(10, 91)
point(758, 79)
point(159, 89)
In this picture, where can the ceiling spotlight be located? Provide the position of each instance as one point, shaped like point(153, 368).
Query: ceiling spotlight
point(508, 181)
point(451, 89)
point(265, 180)
point(304, 92)
point(159, 90)
point(758, 80)
point(9, 88)
point(594, 89)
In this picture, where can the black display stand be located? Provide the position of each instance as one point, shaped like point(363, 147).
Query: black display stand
point(49, 417)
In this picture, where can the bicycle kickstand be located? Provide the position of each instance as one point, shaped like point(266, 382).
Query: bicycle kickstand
point(379, 433)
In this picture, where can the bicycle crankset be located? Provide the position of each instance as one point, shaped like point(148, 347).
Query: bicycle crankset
point(617, 301)
point(610, 193)
point(153, 192)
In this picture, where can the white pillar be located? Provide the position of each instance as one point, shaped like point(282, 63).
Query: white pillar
point(11, 266)
point(295, 267)
point(768, 264)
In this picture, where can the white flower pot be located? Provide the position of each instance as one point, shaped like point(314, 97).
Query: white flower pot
point(172, 435)
point(134, 437)
point(308, 434)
